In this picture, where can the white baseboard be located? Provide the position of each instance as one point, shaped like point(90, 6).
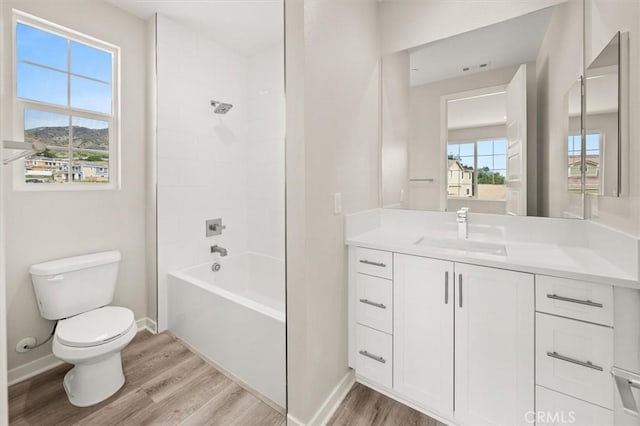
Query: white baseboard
point(148, 324)
point(47, 362)
point(333, 401)
point(293, 421)
point(33, 368)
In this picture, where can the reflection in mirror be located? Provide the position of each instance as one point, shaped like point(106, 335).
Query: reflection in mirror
point(476, 120)
point(602, 122)
point(574, 138)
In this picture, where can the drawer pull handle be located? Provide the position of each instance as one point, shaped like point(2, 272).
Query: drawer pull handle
point(446, 287)
point(377, 305)
point(368, 262)
point(571, 300)
point(373, 357)
point(460, 289)
point(587, 364)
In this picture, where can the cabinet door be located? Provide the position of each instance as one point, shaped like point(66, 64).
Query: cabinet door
point(494, 341)
point(423, 331)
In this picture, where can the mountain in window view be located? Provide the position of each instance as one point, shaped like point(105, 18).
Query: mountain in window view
point(83, 137)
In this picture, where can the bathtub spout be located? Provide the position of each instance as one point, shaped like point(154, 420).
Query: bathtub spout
point(218, 249)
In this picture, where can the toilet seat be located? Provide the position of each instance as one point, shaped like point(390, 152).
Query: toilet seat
point(96, 327)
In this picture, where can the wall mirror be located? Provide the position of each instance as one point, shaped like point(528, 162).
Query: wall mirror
point(480, 119)
point(603, 120)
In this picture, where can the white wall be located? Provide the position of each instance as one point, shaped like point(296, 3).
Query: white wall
point(395, 117)
point(332, 147)
point(409, 23)
point(603, 19)
point(217, 166)
point(151, 163)
point(48, 225)
point(556, 72)
point(4, 404)
point(265, 152)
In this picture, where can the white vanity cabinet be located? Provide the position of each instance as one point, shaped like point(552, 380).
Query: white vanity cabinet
point(423, 331)
point(462, 338)
point(494, 345)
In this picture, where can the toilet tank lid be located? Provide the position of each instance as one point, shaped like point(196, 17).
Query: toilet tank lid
point(75, 263)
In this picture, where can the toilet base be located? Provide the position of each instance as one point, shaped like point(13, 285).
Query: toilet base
point(89, 384)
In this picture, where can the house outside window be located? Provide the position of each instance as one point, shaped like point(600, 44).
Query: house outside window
point(66, 96)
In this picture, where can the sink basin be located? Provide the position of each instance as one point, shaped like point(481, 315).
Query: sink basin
point(464, 245)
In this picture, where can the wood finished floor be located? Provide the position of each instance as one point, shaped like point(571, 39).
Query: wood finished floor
point(167, 384)
point(365, 407)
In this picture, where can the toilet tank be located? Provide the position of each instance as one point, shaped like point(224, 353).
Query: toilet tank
point(71, 286)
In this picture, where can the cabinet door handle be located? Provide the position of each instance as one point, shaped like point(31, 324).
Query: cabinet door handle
point(377, 305)
point(587, 364)
point(368, 262)
point(373, 357)
point(571, 300)
point(446, 287)
point(460, 289)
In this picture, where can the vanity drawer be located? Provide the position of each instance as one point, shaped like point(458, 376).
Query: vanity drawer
point(374, 355)
point(575, 358)
point(554, 408)
point(374, 302)
point(575, 299)
point(374, 262)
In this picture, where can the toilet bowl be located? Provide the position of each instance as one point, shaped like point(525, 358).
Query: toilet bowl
point(92, 341)
point(77, 292)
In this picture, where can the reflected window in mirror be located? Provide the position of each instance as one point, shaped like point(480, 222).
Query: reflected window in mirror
point(593, 161)
point(477, 169)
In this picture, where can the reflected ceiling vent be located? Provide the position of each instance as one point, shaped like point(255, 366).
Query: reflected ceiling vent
point(478, 67)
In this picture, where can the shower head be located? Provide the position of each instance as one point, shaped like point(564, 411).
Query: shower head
point(220, 107)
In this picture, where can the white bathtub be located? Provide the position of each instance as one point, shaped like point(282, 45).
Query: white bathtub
point(235, 317)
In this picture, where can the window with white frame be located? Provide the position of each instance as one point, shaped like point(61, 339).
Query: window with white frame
point(477, 169)
point(593, 163)
point(66, 96)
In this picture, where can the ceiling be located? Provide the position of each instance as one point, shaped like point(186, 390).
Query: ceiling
point(506, 43)
point(245, 26)
point(477, 111)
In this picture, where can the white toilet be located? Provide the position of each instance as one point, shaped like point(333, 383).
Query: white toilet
point(89, 334)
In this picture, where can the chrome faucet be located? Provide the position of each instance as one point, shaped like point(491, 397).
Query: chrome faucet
point(218, 249)
point(463, 228)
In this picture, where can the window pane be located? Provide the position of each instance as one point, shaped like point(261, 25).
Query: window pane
point(593, 142)
point(41, 47)
point(500, 162)
point(453, 150)
point(90, 62)
point(46, 127)
point(500, 146)
point(41, 84)
point(52, 165)
point(90, 167)
point(467, 162)
point(90, 134)
point(466, 149)
point(485, 147)
point(486, 161)
point(90, 95)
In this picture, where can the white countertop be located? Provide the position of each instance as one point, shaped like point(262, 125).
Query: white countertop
point(566, 261)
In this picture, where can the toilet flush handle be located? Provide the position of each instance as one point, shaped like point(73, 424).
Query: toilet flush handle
point(56, 278)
